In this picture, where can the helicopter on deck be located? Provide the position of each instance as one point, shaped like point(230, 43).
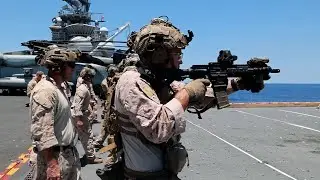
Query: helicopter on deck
point(72, 28)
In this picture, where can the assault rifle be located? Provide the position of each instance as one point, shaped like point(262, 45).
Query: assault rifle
point(218, 73)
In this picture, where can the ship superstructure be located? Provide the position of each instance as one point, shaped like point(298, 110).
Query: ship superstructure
point(73, 28)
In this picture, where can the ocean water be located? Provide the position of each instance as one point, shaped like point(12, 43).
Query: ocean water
point(280, 93)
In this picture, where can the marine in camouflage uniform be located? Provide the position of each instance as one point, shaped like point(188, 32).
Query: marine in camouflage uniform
point(108, 126)
point(105, 86)
point(32, 83)
point(105, 126)
point(93, 107)
point(52, 130)
point(66, 89)
point(150, 109)
point(80, 113)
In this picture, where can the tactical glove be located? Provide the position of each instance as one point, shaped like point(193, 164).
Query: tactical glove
point(250, 83)
point(254, 82)
point(197, 89)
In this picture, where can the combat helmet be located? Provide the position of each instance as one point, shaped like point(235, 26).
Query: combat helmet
point(87, 72)
point(156, 39)
point(112, 69)
point(54, 58)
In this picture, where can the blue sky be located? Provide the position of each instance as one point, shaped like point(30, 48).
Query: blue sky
point(286, 31)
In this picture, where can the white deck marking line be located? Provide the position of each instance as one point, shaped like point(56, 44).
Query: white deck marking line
point(300, 113)
point(239, 149)
point(291, 124)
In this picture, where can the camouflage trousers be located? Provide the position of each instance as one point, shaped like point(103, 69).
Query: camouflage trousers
point(93, 108)
point(86, 138)
point(69, 163)
point(107, 126)
point(104, 134)
point(110, 139)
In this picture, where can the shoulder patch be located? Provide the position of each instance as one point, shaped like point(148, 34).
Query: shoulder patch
point(147, 90)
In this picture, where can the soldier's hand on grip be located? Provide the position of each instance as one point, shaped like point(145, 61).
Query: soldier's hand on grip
point(253, 83)
point(197, 89)
point(258, 63)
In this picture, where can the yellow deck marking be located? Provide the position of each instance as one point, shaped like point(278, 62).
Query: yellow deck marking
point(12, 171)
point(11, 165)
point(23, 158)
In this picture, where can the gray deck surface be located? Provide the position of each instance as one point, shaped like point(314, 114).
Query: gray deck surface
point(228, 144)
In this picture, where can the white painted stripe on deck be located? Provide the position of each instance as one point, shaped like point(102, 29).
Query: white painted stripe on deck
point(291, 124)
point(239, 149)
point(300, 113)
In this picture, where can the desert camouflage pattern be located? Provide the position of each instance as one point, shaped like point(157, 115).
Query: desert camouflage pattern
point(158, 122)
point(79, 81)
point(103, 132)
point(108, 126)
point(104, 85)
point(87, 71)
point(47, 102)
point(129, 61)
point(172, 36)
point(51, 125)
point(162, 116)
point(55, 56)
point(81, 101)
point(69, 162)
point(157, 116)
point(80, 106)
point(126, 64)
point(33, 82)
point(93, 108)
point(108, 86)
point(31, 85)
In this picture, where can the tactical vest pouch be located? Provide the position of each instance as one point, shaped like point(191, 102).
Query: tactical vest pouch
point(114, 171)
point(177, 157)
